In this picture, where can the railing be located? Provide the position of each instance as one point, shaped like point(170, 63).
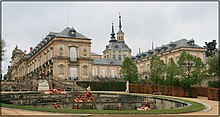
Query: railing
point(66, 85)
point(19, 84)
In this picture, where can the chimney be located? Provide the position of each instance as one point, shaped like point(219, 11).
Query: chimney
point(31, 49)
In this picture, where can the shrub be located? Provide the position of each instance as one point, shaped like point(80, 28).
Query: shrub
point(214, 84)
point(103, 86)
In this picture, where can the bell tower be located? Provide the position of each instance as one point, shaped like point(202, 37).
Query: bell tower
point(120, 34)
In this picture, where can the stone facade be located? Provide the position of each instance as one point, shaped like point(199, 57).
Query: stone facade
point(62, 56)
point(165, 52)
point(106, 68)
point(65, 55)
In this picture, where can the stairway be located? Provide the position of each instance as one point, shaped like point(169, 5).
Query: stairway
point(32, 84)
point(65, 85)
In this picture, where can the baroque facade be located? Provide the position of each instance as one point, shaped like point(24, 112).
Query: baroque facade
point(67, 55)
point(64, 55)
point(166, 52)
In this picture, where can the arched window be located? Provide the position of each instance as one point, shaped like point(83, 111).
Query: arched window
point(85, 70)
point(61, 51)
point(73, 54)
point(61, 69)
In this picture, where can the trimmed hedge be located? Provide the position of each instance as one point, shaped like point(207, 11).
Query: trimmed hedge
point(103, 86)
point(165, 90)
point(214, 84)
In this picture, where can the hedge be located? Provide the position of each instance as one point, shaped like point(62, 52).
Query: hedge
point(103, 86)
point(214, 84)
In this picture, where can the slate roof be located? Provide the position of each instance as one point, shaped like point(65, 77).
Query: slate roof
point(106, 61)
point(67, 33)
point(171, 46)
point(117, 46)
point(95, 54)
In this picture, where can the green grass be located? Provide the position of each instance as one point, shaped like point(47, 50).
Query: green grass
point(195, 106)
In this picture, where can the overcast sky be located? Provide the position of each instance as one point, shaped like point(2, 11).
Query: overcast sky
point(26, 24)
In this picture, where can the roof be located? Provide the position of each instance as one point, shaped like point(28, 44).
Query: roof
point(117, 46)
point(95, 54)
point(70, 33)
point(171, 46)
point(106, 61)
point(67, 33)
point(120, 31)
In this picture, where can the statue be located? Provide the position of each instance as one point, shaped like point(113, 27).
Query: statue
point(127, 87)
point(88, 89)
point(210, 48)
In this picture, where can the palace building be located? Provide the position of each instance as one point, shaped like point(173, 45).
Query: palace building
point(67, 55)
point(64, 55)
point(166, 52)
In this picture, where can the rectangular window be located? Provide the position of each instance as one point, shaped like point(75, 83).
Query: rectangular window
point(93, 72)
point(85, 70)
point(61, 69)
point(103, 73)
point(73, 73)
point(45, 57)
point(50, 56)
point(119, 57)
point(113, 73)
point(125, 56)
point(114, 56)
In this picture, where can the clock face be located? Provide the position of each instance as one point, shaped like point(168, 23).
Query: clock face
point(72, 32)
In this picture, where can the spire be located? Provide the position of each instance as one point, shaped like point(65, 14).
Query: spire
point(152, 44)
point(120, 21)
point(139, 51)
point(120, 34)
point(113, 33)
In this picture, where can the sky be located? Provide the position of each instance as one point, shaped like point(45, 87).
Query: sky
point(26, 23)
